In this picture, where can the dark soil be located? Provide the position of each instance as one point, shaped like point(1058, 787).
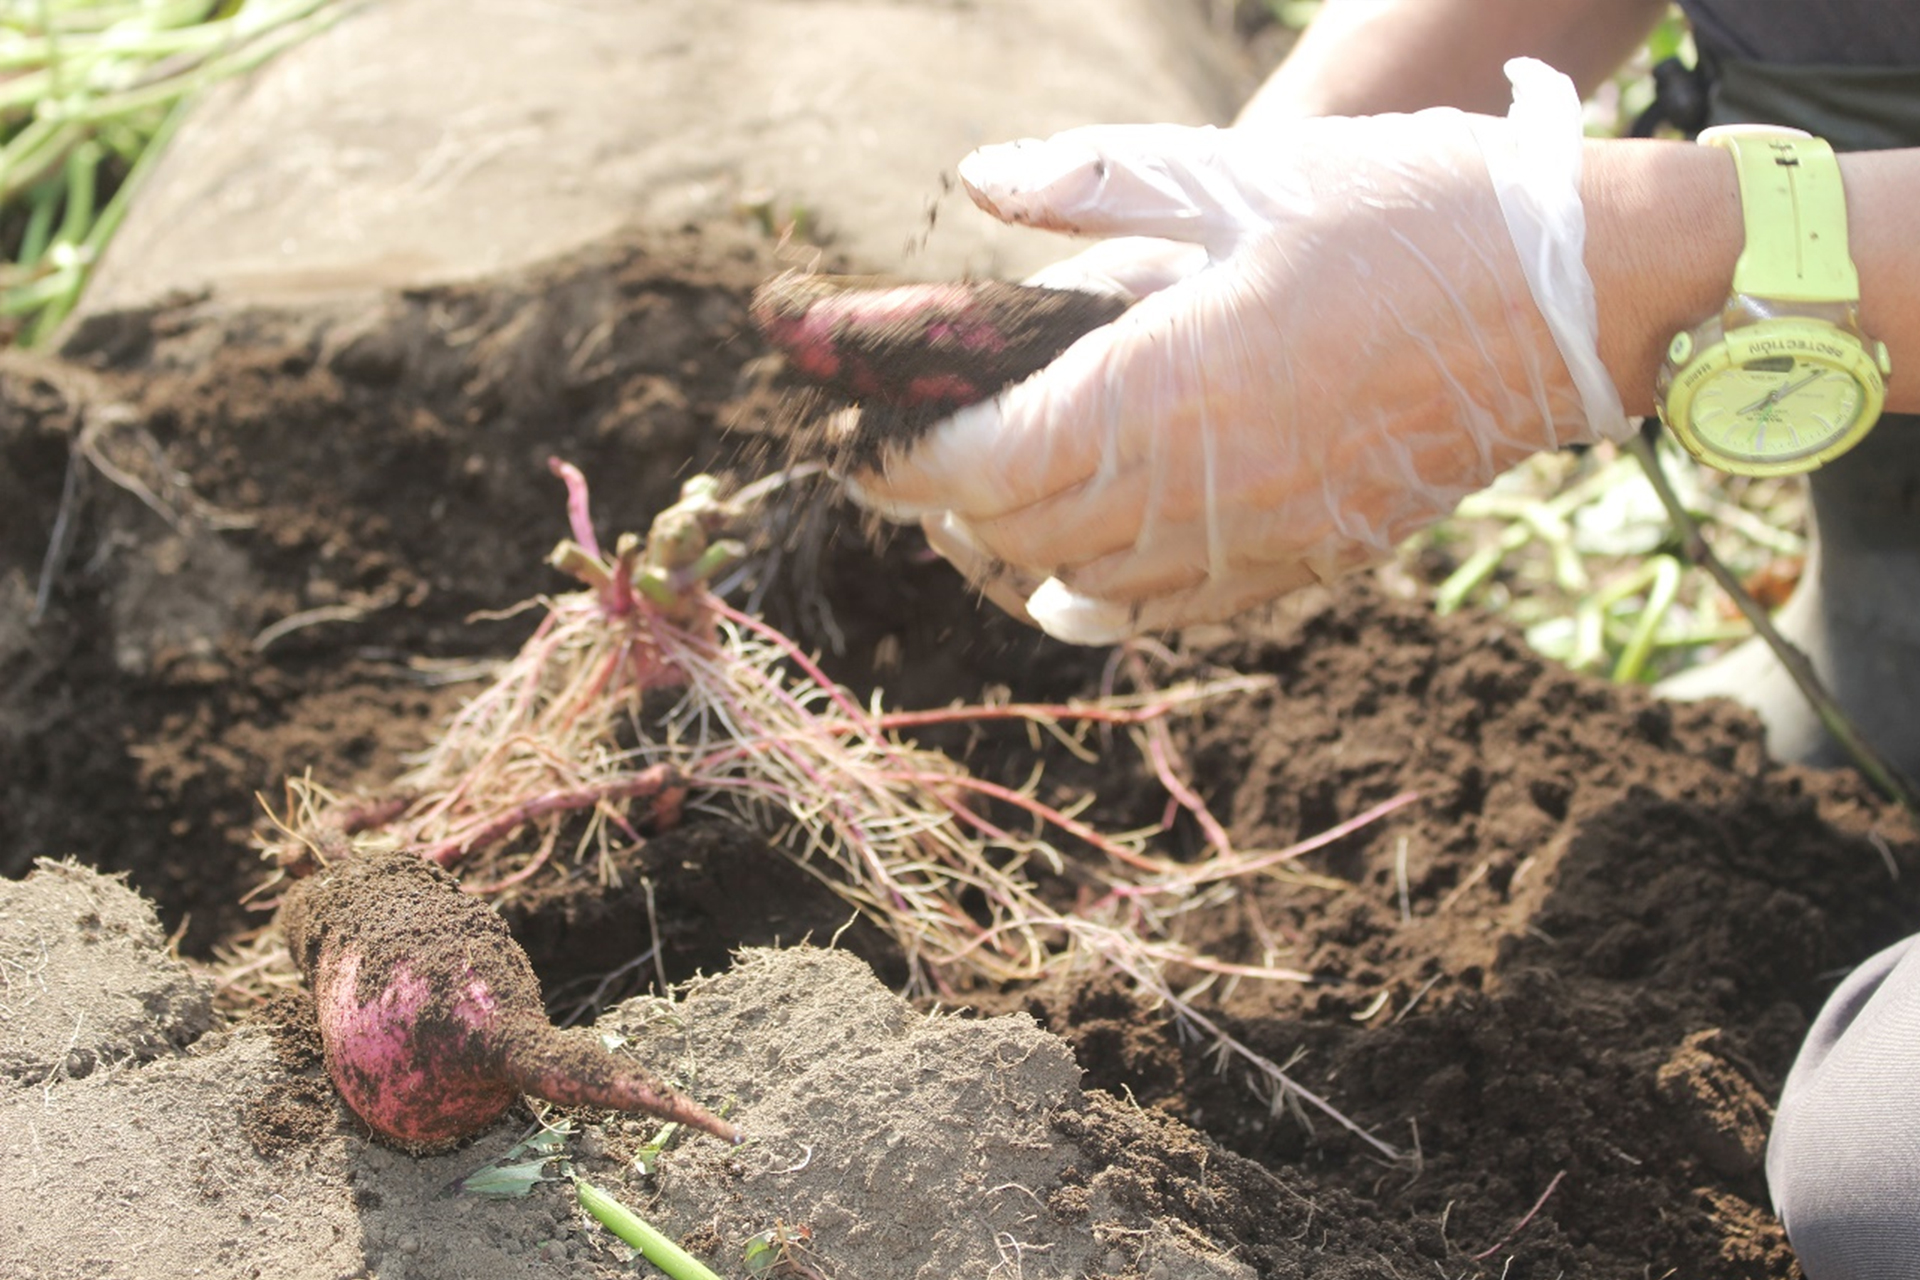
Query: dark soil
point(907, 355)
point(1568, 979)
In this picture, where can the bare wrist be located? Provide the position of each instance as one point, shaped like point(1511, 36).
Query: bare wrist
point(1882, 188)
point(1663, 232)
point(1664, 229)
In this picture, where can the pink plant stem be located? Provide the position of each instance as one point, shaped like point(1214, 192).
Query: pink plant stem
point(1207, 964)
point(537, 861)
point(1521, 1225)
point(373, 815)
point(656, 780)
point(1046, 812)
point(1038, 711)
point(851, 709)
point(979, 822)
point(1166, 765)
point(1160, 751)
point(578, 513)
point(1223, 869)
point(618, 599)
point(1164, 757)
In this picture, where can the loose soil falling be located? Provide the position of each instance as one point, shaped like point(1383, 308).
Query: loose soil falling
point(1567, 980)
point(905, 356)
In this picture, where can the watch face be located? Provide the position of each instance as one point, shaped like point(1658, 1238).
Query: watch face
point(1775, 409)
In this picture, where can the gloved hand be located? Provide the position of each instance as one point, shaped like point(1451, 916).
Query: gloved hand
point(1391, 311)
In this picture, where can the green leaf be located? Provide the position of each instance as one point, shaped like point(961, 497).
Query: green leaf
point(508, 1181)
point(511, 1175)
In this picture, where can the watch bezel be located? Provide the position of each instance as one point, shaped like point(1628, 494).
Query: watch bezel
point(1696, 355)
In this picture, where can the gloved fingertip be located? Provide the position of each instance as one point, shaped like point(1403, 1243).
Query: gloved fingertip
point(1076, 619)
point(949, 535)
point(950, 526)
point(1072, 274)
point(1032, 180)
point(1129, 267)
point(886, 508)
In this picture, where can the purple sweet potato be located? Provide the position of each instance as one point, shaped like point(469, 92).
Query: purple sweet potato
point(910, 354)
point(430, 1013)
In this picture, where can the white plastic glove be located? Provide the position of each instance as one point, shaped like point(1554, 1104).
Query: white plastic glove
point(1393, 310)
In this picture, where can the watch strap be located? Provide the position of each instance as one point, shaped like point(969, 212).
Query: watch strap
point(1795, 209)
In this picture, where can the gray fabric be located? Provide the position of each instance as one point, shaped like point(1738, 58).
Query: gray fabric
point(1843, 1162)
point(1843, 1159)
point(1858, 33)
point(1854, 108)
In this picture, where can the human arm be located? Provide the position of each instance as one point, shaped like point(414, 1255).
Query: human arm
point(1367, 57)
point(1364, 349)
point(1664, 225)
point(1664, 228)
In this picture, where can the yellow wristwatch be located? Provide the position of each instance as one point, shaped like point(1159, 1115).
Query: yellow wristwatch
point(1783, 379)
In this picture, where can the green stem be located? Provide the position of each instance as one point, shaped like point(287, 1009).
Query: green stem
point(641, 1234)
point(1666, 589)
point(1478, 567)
point(1878, 770)
point(296, 25)
point(34, 153)
point(44, 203)
point(1527, 519)
point(98, 235)
point(1589, 635)
point(83, 171)
point(26, 299)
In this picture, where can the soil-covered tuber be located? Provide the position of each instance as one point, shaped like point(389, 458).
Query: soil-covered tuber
point(910, 354)
point(430, 1012)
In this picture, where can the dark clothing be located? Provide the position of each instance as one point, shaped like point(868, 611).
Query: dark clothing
point(1841, 33)
point(1843, 1160)
point(1847, 70)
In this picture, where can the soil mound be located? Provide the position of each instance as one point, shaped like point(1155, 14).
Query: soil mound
point(1565, 980)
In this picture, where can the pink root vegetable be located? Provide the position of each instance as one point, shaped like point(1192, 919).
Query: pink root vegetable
point(909, 354)
point(431, 1015)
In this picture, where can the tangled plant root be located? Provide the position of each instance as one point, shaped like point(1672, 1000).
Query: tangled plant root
point(646, 697)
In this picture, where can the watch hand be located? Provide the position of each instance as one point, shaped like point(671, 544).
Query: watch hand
point(1778, 394)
